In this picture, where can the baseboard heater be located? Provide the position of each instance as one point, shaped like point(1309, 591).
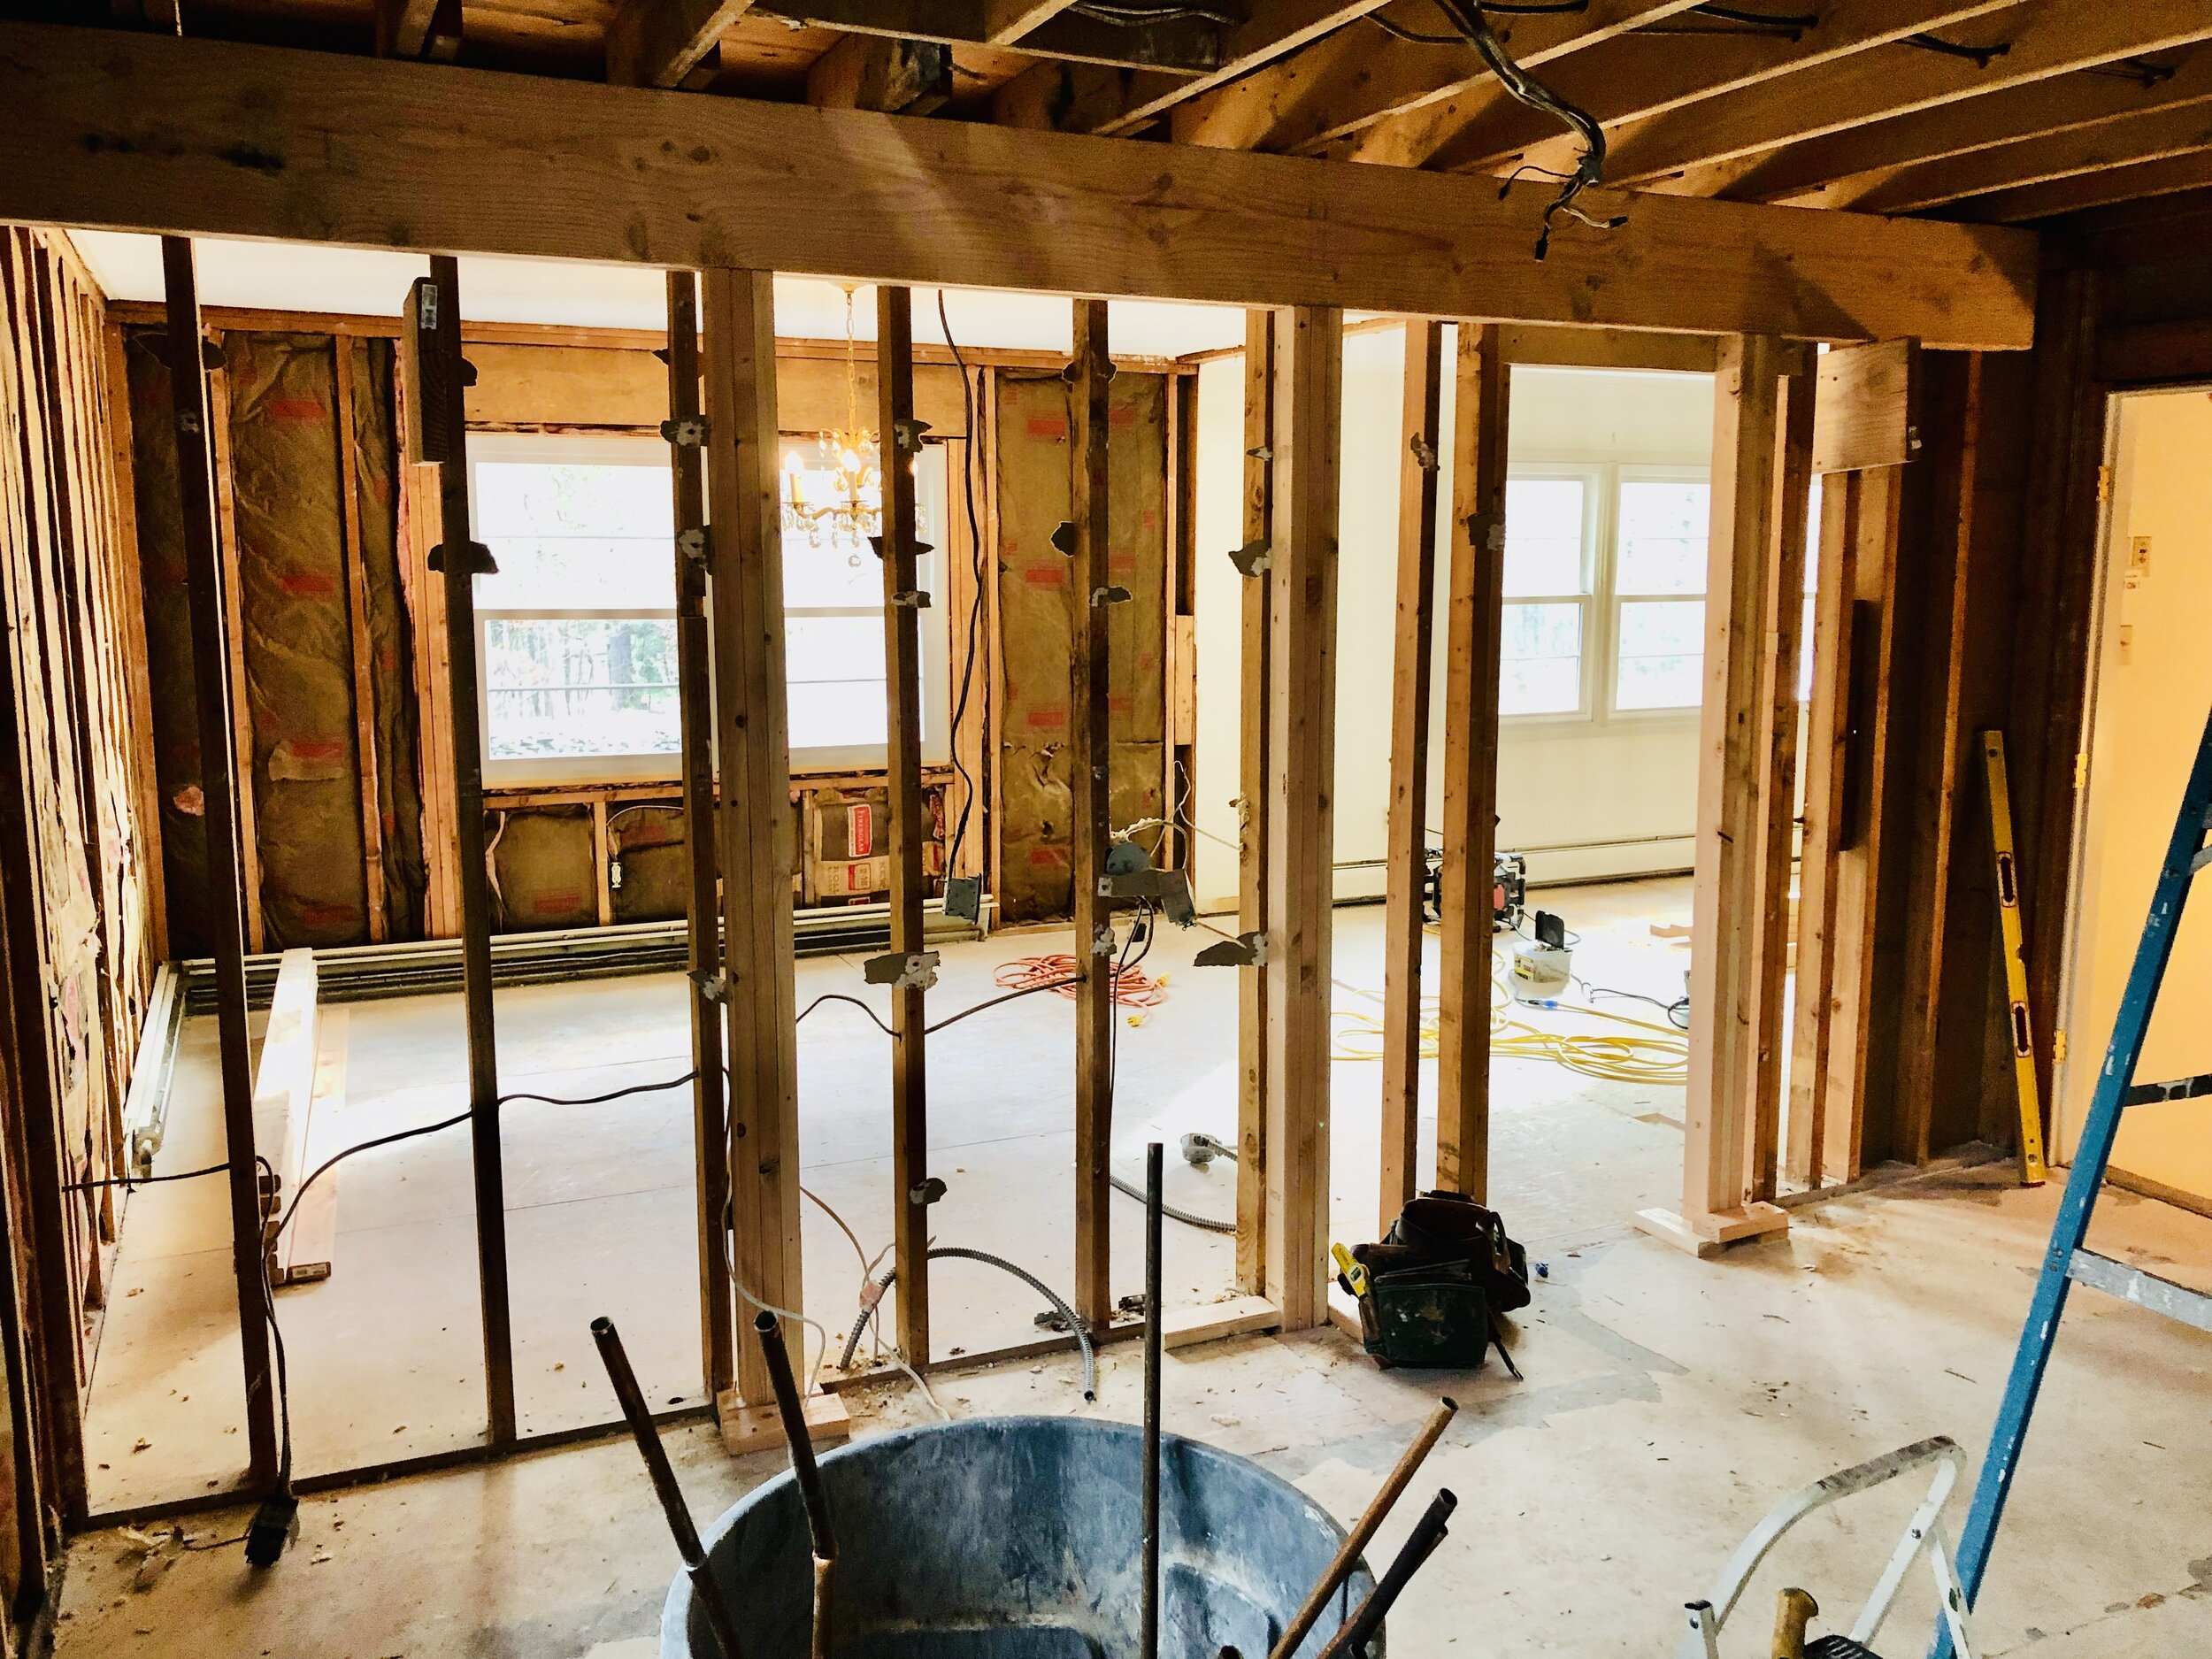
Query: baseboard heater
point(359, 974)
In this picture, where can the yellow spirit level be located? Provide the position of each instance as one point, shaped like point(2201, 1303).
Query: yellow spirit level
point(2033, 1172)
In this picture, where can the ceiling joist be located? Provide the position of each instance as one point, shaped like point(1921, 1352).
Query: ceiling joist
point(216, 138)
point(2048, 38)
point(1083, 98)
point(658, 42)
point(2162, 177)
point(1360, 75)
point(1641, 77)
point(2175, 131)
point(1836, 169)
point(1179, 45)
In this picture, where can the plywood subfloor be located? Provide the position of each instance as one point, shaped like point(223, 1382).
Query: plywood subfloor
point(386, 1355)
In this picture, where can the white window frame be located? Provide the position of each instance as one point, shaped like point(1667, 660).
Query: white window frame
point(625, 449)
point(1624, 473)
point(1596, 497)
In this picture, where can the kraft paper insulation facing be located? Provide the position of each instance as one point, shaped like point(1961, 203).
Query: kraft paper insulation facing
point(293, 579)
point(296, 635)
point(391, 643)
point(1036, 625)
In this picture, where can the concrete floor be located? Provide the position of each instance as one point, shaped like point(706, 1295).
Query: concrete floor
point(386, 1355)
point(1668, 1402)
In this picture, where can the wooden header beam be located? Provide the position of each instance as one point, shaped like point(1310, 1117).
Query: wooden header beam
point(215, 138)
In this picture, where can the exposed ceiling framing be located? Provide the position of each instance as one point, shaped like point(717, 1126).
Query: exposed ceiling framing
point(1977, 109)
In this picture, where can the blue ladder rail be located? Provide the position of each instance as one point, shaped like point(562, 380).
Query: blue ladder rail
point(2068, 1261)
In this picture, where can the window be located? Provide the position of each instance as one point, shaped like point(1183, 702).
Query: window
point(833, 606)
point(576, 633)
point(1547, 587)
point(1658, 592)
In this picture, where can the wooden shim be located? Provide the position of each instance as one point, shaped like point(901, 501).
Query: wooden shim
point(1473, 619)
point(1254, 781)
point(702, 914)
point(363, 651)
point(145, 133)
point(903, 761)
point(306, 1252)
point(1090, 719)
point(745, 513)
point(1868, 412)
point(1406, 875)
point(204, 588)
point(1301, 581)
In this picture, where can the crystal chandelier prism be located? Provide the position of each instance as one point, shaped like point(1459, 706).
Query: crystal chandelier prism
point(840, 498)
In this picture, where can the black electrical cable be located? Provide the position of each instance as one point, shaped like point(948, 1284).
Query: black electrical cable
point(1791, 21)
point(1980, 57)
point(1680, 1005)
point(1125, 14)
point(276, 1341)
point(975, 606)
point(1422, 37)
point(1589, 169)
point(127, 1182)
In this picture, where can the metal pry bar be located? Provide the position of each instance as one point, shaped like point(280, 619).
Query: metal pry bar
point(704, 1585)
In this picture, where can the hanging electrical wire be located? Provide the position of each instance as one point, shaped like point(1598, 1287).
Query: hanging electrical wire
point(1589, 168)
point(975, 603)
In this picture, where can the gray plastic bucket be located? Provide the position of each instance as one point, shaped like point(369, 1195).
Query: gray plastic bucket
point(1017, 1538)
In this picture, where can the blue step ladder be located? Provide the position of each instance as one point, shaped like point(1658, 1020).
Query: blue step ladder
point(2068, 1262)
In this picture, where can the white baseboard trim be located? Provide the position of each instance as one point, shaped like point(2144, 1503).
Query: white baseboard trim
point(1364, 882)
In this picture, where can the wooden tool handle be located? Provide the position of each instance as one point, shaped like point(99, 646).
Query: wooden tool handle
point(1793, 1610)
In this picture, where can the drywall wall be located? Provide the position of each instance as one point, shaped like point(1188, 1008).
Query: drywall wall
point(2153, 685)
point(1583, 796)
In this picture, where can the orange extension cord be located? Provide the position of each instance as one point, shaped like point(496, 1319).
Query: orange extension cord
point(1133, 986)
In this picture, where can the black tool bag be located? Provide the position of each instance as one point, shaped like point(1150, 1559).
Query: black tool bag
point(1437, 1283)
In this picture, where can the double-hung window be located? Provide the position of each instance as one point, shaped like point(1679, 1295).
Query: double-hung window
point(1550, 518)
point(576, 633)
point(1661, 524)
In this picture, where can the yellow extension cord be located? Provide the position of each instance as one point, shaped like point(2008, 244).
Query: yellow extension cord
point(1661, 1058)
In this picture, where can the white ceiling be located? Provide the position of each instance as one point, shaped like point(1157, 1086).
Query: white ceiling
point(298, 277)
